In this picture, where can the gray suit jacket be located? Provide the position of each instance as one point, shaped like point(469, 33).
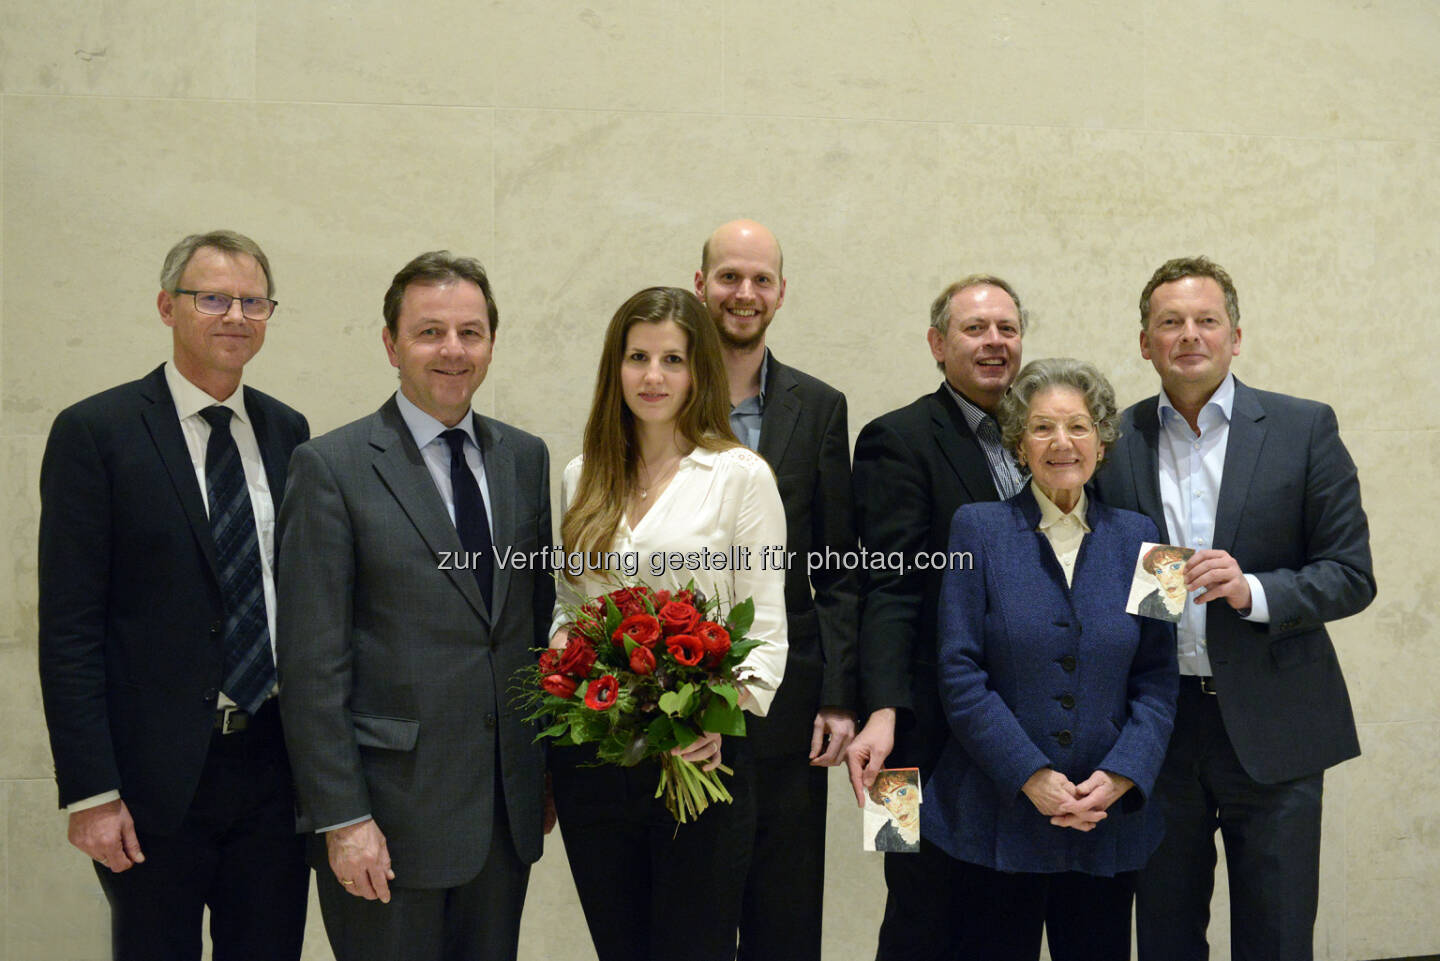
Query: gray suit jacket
point(1289, 512)
point(398, 680)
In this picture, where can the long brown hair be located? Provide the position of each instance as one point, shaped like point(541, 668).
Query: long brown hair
point(610, 446)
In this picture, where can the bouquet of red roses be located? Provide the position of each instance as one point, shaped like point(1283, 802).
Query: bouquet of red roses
point(643, 672)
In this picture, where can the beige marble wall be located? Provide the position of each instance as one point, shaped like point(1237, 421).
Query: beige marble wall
point(584, 151)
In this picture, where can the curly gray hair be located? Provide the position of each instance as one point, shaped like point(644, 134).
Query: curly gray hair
point(1040, 375)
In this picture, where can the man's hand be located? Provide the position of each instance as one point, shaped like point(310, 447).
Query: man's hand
point(106, 833)
point(831, 734)
point(867, 754)
point(360, 860)
point(1093, 798)
point(550, 816)
point(1219, 575)
point(703, 751)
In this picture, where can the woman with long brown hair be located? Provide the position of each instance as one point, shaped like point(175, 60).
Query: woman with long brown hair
point(661, 477)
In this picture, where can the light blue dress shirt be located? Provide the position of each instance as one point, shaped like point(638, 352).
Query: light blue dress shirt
point(745, 417)
point(1191, 469)
point(427, 430)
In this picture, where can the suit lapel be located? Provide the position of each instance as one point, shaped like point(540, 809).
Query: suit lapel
point(960, 448)
point(403, 471)
point(1242, 451)
point(272, 454)
point(1144, 447)
point(163, 423)
point(501, 480)
point(782, 412)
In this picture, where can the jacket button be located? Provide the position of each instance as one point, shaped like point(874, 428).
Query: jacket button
point(490, 721)
point(211, 693)
point(1067, 701)
point(1067, 663)
point(1064, 737)
point(215, 629)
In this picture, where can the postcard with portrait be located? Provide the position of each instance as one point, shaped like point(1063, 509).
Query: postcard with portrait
point(1158, 587)
point(890, 820)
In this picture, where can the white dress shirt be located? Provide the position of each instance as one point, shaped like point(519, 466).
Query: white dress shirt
point(1063, 531)
point(717, 500)
point(1191, 468)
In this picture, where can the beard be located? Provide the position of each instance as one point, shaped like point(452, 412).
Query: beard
point(730, 341)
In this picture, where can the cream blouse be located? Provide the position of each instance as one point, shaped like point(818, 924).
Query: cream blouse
point(721, 522)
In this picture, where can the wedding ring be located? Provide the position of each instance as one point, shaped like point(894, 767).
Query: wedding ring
point(346, 883)
point(101, 859)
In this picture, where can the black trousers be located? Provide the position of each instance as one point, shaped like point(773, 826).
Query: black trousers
point(476, 921)
point(1084, 917)
point(919, 921)
point(1272, 849)
point(652, 889)
point(236, 852)
point(785, 888)
point(941, 909)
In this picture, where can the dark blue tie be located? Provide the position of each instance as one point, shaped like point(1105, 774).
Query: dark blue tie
point(249, 666)
point(470, 520)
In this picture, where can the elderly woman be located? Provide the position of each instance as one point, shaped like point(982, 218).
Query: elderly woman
point(1059, 703)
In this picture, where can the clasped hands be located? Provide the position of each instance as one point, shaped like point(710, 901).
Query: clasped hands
point(1079, 806)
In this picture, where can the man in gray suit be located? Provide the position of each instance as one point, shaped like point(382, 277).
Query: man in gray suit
point(403, 623)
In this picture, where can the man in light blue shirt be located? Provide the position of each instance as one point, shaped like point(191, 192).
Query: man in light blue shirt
point(1261, 487)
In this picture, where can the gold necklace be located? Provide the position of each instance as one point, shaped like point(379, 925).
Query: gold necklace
point(645, 490)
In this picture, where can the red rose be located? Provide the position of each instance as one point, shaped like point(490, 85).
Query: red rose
point(716, 640)
point(559, 685)
point(660, 599)
point(678, 618)
point(684, 597)
point(600, 695)
point(578, 658)
point(629, 600)
point(642, 660)
point(643, 629)
point(685, 648)
point(550, 661)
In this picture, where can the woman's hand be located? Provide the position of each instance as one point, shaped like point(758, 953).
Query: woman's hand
point(704, 751)
point(1049, 791)
point(1093, 798)
point(560, 637)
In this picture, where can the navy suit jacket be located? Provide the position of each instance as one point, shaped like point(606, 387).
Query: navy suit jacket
point(1289, 513)
point(1035, 673)
point(913, 467)
point(130, 610)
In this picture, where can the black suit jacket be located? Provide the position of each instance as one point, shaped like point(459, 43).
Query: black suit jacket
point(399, 681)
point(914, 467)
point(1289, 512)
point(130, 610)
point(805, 438)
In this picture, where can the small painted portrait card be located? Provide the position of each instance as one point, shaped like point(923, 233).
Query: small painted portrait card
point(1158, 587)
point(891, 817)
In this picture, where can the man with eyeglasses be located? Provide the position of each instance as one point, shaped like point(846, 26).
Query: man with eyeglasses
point(157, 614)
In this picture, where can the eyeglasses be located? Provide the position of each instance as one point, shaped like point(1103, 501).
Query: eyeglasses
point(1077, 429)
point(217, 304)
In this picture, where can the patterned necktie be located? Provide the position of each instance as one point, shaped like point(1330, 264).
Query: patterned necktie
point(470, 520)
point(249, 666)
point(1002, 468)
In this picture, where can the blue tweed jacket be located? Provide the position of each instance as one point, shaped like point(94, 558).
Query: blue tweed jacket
point(1035, 673)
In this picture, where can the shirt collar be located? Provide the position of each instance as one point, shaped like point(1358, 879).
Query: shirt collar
point(1223, 400)
point(1050, 515)
point(974, 413)
point(425, 428)
point(191, 400)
